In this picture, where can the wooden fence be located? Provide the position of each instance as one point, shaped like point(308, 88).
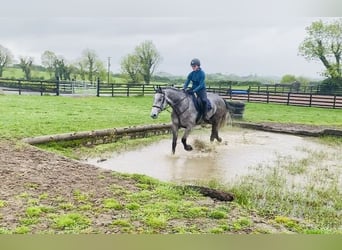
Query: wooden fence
point(295, 99)
point(263, 94)
point(132, 89)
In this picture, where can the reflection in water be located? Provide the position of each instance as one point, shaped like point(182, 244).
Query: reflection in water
point(239, 154)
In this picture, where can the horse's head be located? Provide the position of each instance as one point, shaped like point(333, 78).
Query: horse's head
point(159, 103)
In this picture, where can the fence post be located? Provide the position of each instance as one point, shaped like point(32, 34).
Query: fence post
point(267, 96)
point(57, 86)
point(41, 88)
point(127, 89)
point(288, 98)
point(143, 89)
point(112, 89)
point(19, 82)
point(98, 87)
point(334, 103)
point(310, 101)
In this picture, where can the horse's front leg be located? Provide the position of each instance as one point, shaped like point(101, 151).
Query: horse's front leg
point(174, 138)
point(187, 147)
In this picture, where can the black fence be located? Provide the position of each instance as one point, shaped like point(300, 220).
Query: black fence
point(113, 89)
point(310, 96)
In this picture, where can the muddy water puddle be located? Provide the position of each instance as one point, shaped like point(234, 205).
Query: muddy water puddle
point(240, 153)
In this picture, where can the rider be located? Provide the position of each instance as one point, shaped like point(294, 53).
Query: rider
point(197, 77)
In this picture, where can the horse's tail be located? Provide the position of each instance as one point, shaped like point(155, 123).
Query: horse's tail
point(227, 119)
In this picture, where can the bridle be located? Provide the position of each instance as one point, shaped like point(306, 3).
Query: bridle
point(173, 105)
point(162, 102)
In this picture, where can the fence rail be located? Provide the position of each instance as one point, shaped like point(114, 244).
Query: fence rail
point(263, 94)
point(309, 100)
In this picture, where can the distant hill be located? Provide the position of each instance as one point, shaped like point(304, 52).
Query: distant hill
point(224, 77)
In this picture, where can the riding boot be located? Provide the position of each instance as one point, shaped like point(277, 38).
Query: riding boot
point(205, 112)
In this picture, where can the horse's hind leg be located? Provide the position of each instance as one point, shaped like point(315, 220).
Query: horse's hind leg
point(214, 132)
point(187, 147)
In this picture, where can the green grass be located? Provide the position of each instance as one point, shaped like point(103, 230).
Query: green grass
point(158, 207)
point(257, 112)
point(27, 116)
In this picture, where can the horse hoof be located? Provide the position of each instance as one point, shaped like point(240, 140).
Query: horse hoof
point(219, 139)
point(188, 148)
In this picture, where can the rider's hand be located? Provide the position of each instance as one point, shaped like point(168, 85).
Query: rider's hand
point(190, 92)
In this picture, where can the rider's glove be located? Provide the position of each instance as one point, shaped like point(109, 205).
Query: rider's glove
point(190, 92)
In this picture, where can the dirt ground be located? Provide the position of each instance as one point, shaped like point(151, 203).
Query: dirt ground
point(28, 171)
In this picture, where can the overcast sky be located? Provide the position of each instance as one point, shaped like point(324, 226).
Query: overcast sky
point(248, 37)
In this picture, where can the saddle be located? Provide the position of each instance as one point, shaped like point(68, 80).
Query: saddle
point(199, 106)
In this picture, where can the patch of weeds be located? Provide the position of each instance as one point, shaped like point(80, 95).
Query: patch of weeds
point(118, 190)
point(81, 197)
point(156, 221)
point(43, 196)
point(3, 203)
point(35, 211)
point(22, 230)
point(133, 206)
point(141, 197)
point(101, 176)
point(216, 230)
point(331, 140)
point(186, 229)
point(29, 221)
point(217, 214)
point(73, 221)
point(290, 224)
point(66, 206)
point(242, 223)
point(195, 212)
point(169, 192)
point(4, 231)
point(295, 167)
point(31, 185)
point(144, 179)
point(124, 225)
point(112, 203)
point(85, 207)
point(33, 201)
point(24, 195)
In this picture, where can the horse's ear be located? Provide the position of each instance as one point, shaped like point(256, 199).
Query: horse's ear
point(156, 88)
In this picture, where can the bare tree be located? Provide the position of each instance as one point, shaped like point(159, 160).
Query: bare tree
point(91, 62)
point(26, 66)
point(149, 58)
point(130, 66)
point(49, 61)
point(6, 58)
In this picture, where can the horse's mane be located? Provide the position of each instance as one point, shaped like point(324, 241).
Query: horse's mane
point(159, 89)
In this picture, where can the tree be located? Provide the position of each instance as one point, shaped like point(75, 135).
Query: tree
point(324, 43)
point(49, 61)
point(130, 66)
point(148, 58)
point(91, 62)
point(288, 79)
point(26, 66)
point(6, 58)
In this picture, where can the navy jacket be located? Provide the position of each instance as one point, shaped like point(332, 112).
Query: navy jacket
point(198, 80)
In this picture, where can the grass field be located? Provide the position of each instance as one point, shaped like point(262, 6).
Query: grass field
point(26, 116)
point(314, 210)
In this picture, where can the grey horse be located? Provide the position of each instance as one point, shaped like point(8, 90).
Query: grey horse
point(185, 115)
